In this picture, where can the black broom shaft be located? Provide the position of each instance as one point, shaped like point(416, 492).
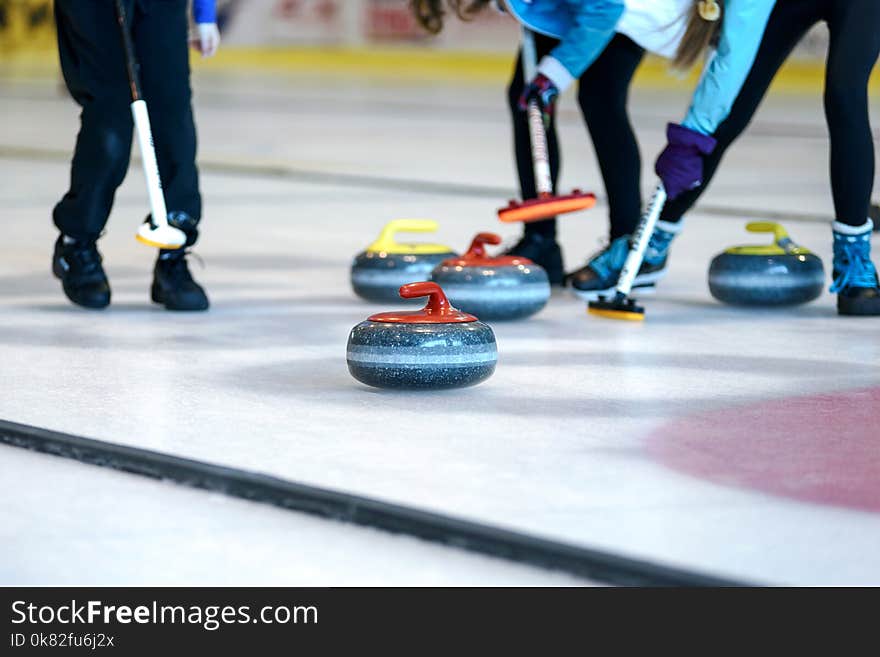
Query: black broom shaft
point(131, 63)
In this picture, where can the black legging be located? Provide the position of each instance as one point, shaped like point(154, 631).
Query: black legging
point(602, 95)
point(852, 53)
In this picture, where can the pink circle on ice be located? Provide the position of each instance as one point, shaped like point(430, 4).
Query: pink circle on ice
point(821, 448)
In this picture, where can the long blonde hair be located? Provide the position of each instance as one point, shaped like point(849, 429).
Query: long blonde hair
point(703, 25)
point(430, 13)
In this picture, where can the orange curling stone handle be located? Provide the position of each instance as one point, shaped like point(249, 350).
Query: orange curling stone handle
point(546, 206)
point(478, 245)
point(437, 311)
point(476, 255)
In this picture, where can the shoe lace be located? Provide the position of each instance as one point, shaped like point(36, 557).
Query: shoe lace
point(658, 244)
point(852, 256)
point(177, 267)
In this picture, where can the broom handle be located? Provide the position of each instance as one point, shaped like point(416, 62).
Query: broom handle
point(640, 242)
point(142, 129)
point(540, 158)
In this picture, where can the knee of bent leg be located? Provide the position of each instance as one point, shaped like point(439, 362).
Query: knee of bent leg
point(108, 127)
point(596, 101)
point(845, 99)
point(115, 149)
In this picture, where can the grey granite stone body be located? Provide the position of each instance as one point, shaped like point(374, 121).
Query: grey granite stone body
point(495, 293)
point(777, 280)
point(378, 276)
point(426, 356)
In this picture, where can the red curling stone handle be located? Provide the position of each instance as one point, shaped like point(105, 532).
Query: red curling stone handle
point(478, 246)
point(438, 304)
point(437, 311)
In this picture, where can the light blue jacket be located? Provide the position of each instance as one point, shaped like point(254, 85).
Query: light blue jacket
point(727, 69)
point(585, 27)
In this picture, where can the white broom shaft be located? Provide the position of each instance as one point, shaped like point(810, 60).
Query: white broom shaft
point(151, 166)
point(540, 157)
point(640, 241)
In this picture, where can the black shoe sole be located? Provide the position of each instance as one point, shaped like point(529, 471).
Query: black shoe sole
point(157, 297)
point(853, 308)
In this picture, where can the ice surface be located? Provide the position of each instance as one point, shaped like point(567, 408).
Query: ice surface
point(554, 443)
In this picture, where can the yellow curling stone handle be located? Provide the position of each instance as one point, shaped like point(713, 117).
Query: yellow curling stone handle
point(782, 243)
point(387, 242)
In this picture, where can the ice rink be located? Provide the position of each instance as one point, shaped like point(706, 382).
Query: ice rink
point(738, 443)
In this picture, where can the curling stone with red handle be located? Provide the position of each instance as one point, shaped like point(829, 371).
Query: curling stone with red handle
point(433, 348)
point(500, 287)
point(378, 272)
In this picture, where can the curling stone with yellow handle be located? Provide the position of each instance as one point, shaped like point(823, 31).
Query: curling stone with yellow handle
point(777, 274)
point(378, 272)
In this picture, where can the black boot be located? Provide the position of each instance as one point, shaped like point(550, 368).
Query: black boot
point(173, 284)
point(78, 265)
point(544, 251)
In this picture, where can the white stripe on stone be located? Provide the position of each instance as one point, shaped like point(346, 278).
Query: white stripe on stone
point(374, 357)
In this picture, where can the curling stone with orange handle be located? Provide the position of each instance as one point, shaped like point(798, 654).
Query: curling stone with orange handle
point(493, 287)
point(433, 348)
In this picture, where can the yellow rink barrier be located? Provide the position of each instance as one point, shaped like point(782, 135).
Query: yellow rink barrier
point(411, 64)
point(26, 26)
point(27, 48)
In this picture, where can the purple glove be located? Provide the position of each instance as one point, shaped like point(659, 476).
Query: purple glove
point(542, 90)
point(680, 165)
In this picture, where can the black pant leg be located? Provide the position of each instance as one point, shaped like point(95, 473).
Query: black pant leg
point(522, 141)
point(789, 22)
point(93, 64)
point(161, 40)
point(852, 54)
point(603, 96)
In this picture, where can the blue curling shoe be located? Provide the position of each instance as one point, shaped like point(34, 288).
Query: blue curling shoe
point(599, 276)
point(855, 277)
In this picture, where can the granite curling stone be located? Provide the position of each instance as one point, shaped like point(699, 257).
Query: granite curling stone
point(433, 348)
point(378, 272)
point(500, 287)
point(777, 274)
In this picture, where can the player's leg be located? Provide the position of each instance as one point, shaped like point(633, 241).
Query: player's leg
point(852, 55)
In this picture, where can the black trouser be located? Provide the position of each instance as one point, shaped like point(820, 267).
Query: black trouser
point(93, 64)
point(602, 94)
point(852, 53)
